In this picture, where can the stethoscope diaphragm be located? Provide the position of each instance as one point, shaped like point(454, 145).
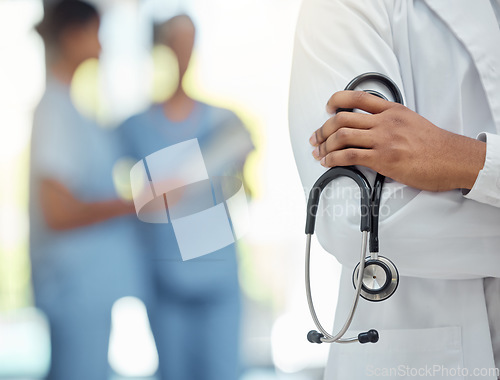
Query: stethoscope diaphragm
point(380, 279)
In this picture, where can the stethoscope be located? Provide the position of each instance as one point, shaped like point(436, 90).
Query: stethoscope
point(375, 278)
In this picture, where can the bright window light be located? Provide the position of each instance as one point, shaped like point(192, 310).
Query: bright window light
point(132, 351)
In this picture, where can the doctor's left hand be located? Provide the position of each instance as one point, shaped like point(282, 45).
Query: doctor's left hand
point(396, 142)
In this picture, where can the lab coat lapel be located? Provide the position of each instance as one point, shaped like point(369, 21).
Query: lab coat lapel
point(482, 40)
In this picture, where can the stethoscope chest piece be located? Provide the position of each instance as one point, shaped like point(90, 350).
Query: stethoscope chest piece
point(380, 279)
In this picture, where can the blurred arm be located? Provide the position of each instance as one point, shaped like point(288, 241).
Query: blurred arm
point(62, 211)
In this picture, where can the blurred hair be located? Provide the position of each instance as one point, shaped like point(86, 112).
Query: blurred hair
point(61, 17)
point(163, 32)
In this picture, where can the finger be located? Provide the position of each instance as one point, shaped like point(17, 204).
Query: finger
point(347, 157)
point(345, 138)
point(340, 120)
point(357, 99)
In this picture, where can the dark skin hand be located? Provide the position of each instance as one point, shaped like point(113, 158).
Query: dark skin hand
point(63, 211)
point(396, 142)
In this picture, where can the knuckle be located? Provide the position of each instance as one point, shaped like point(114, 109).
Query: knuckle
point(332, 101)
point(342, 135)
point(322, 149)
point(319, 135)
point(394, 153)
point(359, 96)
point(329, 161)
point(398, 107)
point(334, 97)
point(328, 146)
point(397, 114)
point(341, 118)
point(376, 120)
point(391, 120)
point(351, 155)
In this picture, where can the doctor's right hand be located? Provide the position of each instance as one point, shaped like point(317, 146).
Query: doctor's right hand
point(396, 142)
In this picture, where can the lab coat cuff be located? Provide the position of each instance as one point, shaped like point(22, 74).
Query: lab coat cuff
point(486, 189)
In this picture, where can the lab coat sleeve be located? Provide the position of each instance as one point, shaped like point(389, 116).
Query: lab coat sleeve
point(335, 41)
point(433, 235)
point(486, 189)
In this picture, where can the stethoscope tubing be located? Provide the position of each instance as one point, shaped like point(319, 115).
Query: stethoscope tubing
point(368, 225)
point(328, 338)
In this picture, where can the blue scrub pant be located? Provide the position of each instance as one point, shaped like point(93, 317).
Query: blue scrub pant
point(79, 340)
point(197, 339)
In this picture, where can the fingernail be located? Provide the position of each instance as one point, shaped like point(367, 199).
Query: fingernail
point(313, 140)
point(323, 161)
point(316, 153)
point(329, 109)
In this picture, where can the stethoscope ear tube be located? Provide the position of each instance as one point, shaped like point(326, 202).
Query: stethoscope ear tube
point(324, 180)
point(375, 211)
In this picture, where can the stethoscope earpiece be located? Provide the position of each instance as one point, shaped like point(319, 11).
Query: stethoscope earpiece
point(375, 278)
point(371, 336)
point(314, 336)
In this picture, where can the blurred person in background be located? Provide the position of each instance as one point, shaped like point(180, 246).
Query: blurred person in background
point(82, 247)
point(195, 310)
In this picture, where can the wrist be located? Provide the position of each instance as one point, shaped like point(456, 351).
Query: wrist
point(470, 158)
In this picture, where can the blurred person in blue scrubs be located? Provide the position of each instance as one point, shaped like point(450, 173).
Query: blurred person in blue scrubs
point(195, 308)
point(82, 246)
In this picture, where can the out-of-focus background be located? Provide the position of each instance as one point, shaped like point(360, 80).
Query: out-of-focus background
point(242, 61)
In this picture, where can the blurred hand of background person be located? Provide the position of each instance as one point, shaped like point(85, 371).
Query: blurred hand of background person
point(62, 210)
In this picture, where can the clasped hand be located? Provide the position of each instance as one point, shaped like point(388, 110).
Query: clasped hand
point(396, 142)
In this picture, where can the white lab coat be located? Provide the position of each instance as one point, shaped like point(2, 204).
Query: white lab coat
point(445, 57)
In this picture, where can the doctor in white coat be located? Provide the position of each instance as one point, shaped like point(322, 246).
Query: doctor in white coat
point(440, 215)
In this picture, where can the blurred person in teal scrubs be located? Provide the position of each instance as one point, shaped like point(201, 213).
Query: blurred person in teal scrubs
point(82, 245)
point(195, 307)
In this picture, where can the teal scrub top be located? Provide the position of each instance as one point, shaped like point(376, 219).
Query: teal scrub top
point(94, 264)
point(225, 144)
